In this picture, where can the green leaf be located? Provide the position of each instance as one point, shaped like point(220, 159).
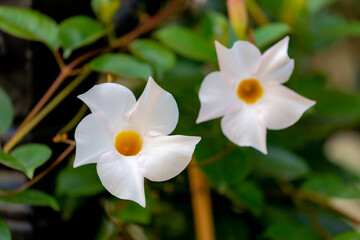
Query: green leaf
point(29, 24)
point(280, 163)
point(159, 56)
point(187, 43)
point(32, 197)
point(269, 33)
point(105, 9)
point(215, 26)
point(336, 103)
point(247, 195)
point(353, 235)
point(130, 211)
point(315, 5)
point(81, 181)
point(79, 31)
point(226, 171)
point(330, 185)
point(6, 111)
point(5, 233)
point(290, 231)
point(121, 64)
point(30, 156)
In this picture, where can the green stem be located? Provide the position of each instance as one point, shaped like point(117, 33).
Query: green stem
point(256, 13)
point(45, 111)
point(75, 120)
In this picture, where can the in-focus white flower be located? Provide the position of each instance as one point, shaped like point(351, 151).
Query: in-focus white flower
point(248, 93)
point(128, 139)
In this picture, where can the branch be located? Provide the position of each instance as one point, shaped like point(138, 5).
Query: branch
point(201, 204)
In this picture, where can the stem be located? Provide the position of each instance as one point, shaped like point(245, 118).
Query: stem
point(75, 120)
point(67, 70)
point(257, 13)
point(314, 220)
point(201, 204)
point(45, 111)
point(38, 177)
point(59, 60)
point(215, 158)
point(317, 199)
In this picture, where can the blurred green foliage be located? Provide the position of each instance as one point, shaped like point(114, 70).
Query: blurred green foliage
point(248, 193)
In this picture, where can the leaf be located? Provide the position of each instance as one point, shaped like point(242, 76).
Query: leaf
point(130, 211)
point(121, 64)
point(227, 170)
point(337, 103)
point(79, 31)
point(81, 181)
point(187, 43)
point(330, 185)
point(290, 231)
point(270, 33)
point(32, 197)
point(154, 53)
point(352, 235)
point(6, 111)
point(315, 5)
point(105, 9)
point(5, 233)
point(247, 195)
point(29, 24)
point(325, 28)
point(31, 156)
point(280, 163)
point(215, 26)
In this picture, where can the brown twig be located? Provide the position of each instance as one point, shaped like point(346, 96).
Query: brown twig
point(67, 71)
point(317, 199)
point(201, 204)
point(59, 60)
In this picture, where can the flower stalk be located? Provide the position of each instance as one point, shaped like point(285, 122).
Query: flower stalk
point(44, 112)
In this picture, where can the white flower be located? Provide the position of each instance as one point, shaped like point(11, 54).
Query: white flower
point(248, 93)
point(128, 139)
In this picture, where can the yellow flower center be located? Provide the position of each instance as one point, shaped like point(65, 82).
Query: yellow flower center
point(249, 90)
point(128, 143)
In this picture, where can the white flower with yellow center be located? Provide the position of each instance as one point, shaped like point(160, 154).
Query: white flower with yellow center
point(248, 93)
point(128, 139)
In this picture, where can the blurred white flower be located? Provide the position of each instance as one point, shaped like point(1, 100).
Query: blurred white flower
point(128, 139)
point(248, 93)
point(342, 148)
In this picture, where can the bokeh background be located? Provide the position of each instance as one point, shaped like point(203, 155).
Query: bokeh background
point(306, 188)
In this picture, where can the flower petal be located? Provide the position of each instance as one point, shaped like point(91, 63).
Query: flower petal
point(156, 110)
point(217, 97)
point(275, 64)
point(164, 157)
point(121, 177)
point(92, 140)
point(111, 101)
point(239, 61)
point(244, 128)
point(281, 107)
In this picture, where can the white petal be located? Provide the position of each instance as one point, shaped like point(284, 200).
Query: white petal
point(111, 101)
point(275, 64)
point(164, 157)
point(244, 128)
point(217, 97)
point(239, 61)
point(156, 110)
point(121, 177)
point(92, 140)
point(281, 107)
